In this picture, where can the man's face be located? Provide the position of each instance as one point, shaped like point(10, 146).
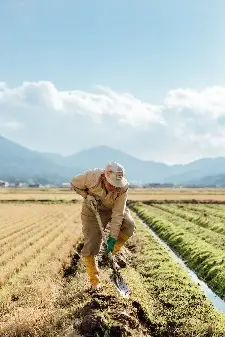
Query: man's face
point(108, 186)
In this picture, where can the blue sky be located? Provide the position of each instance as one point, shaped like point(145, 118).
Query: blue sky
point(144, 49)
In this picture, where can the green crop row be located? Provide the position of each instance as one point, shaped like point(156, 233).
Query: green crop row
point(178, 306)
point(198, 218)
point(205, 234)
point(217, 210)
point(207, 261)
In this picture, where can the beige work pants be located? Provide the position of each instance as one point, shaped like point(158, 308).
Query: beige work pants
point(91, 231)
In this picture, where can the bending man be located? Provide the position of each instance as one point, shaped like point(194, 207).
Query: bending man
point(107, 189)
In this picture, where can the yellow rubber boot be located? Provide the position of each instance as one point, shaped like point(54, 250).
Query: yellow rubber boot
point(92, 271)
point(122, 238)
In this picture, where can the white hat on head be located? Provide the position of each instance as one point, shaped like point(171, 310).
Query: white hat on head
point(114, 173)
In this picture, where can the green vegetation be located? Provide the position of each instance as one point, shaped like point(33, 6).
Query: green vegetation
point(192, 225)
point(206, 260)
point(210, 210)
point(179, 306)
point(199, 216)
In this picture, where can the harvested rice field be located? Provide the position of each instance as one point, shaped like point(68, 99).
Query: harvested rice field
point(44, 288)
point(141, 194)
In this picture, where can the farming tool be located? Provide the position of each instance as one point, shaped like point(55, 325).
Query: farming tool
point(116, 276)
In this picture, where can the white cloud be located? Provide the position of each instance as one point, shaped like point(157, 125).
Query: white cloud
point(187, 125)
point(210, 101)
point(32, 94)
point(197, 117)
point(127, 108)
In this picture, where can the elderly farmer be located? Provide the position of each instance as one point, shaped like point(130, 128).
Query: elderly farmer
point(107, 189)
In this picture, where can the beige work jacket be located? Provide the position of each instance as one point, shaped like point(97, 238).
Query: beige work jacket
point(90, 182)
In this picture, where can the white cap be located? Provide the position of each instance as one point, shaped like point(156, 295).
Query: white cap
point(114, 173)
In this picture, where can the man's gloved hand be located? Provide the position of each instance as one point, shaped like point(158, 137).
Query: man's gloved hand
point(91, 200)
point(110, 244)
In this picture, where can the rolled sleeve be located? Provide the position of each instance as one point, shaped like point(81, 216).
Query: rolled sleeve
point(78, 184)
point(118, 211)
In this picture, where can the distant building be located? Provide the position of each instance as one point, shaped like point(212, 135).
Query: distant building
point(168, 185)
point(153, 185)
point(65, 185)
point(34, 185)
point(4, 183)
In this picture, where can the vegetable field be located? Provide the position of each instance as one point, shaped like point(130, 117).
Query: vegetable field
point(44, 288)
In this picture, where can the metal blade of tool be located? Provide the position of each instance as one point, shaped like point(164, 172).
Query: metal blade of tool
point(116, 276)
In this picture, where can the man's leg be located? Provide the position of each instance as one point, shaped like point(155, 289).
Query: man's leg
point(126, 231)
point(92, 243)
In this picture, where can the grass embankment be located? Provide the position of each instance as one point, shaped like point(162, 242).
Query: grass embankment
point(206, 260)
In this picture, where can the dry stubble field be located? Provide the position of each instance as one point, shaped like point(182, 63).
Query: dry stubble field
point(44, 287)
point(134, 194)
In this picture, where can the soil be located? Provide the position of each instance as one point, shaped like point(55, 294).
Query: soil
point(107, 315)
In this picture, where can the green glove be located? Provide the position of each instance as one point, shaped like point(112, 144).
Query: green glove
point(110, 244)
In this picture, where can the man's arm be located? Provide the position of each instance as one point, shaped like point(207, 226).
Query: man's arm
point(118, 214)
point(78, 184)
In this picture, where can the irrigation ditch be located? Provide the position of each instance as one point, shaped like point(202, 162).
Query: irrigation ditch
point(216, 300)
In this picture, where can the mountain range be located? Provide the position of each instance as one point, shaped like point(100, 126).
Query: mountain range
point(22, 164)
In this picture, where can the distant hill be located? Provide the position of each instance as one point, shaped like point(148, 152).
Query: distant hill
point(144, 171)
point(18, 162)
point(199, 170)
point(214, 180)
point(136, 169)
